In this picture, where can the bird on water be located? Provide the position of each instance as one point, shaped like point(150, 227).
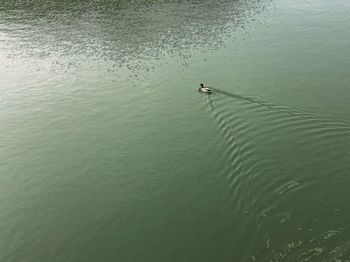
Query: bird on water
point(204, 89)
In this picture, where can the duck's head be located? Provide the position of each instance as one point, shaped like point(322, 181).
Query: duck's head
point(201, 85)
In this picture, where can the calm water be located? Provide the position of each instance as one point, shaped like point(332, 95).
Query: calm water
point(108, 152)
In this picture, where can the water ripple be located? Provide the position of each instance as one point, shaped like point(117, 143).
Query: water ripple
point(276, 156)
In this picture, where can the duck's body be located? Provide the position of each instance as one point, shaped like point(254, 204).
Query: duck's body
point(204, 89)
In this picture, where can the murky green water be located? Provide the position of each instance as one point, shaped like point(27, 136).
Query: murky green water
point(109, 153)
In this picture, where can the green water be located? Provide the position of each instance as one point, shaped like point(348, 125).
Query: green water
point(109, 153)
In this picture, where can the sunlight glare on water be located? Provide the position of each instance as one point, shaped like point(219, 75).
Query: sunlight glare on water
point(109, 153)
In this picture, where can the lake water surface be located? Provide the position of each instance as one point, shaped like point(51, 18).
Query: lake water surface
point(109, 153)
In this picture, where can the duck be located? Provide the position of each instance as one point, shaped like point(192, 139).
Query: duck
point(204, 89)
